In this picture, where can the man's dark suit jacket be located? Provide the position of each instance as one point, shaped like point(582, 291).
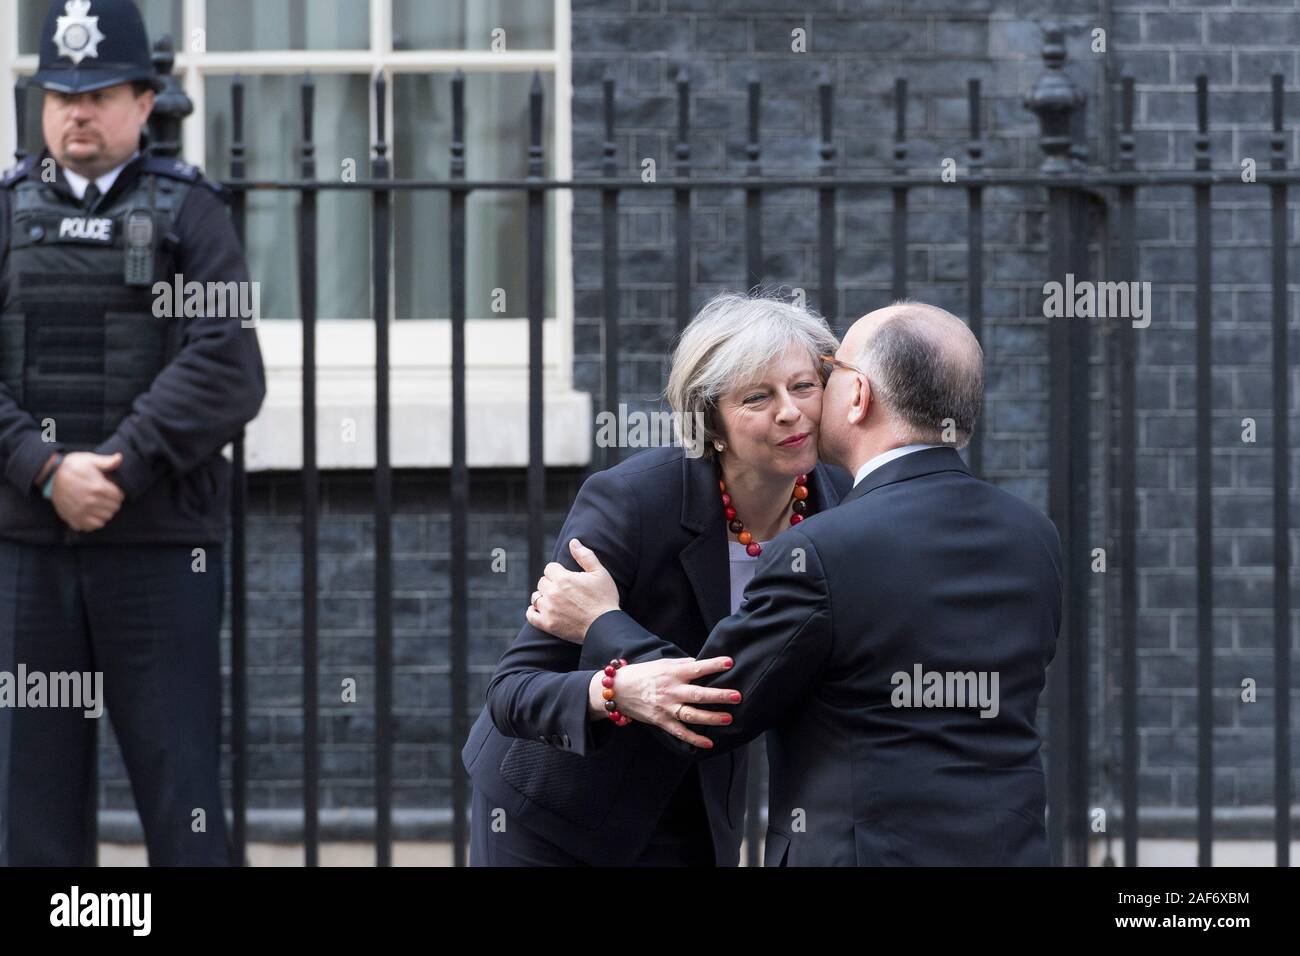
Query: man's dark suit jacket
point(656, 523)
point(922, 565)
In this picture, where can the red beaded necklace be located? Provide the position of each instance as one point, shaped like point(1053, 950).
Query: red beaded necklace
point(752, 547)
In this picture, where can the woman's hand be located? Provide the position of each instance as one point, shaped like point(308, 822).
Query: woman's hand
point(566, 602)
point(660, 692)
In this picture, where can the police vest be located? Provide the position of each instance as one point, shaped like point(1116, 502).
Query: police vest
point(79, 340)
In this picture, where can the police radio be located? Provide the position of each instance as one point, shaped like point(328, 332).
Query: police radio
point(139, 248)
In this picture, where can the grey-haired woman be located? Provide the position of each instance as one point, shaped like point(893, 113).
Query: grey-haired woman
point(557, 779)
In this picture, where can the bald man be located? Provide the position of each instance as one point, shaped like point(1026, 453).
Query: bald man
point(894, 648)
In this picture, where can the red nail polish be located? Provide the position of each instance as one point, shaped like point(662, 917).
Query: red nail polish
point(728, 720)
point(735, 696)
point(728, 663)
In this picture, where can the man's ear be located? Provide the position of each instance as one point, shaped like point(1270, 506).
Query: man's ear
point(860, 401)
point(147, 100)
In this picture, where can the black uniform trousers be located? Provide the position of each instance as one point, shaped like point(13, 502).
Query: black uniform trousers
point(150, 623)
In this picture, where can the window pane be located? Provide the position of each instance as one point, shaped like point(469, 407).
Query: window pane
point(160, 16)
point(468, 24)
point(273, 142)
point(241, 25)
point(496, 133)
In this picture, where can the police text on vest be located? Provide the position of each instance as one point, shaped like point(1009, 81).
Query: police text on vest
point(79, 227)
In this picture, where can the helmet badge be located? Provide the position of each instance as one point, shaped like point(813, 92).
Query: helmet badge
point(78, 36)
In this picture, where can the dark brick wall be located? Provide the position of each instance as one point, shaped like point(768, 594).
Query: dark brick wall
point(1237, 46)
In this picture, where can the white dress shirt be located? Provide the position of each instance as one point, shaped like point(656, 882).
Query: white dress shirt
point(887, 456)
point(78, 183)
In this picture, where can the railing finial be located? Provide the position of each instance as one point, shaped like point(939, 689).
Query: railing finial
point(21, 85)
point(172, 105)
point(1054, 100)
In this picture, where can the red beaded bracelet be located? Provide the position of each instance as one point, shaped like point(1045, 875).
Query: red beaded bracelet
point(608, 693)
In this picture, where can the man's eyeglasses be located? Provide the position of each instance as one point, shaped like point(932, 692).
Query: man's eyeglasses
point(830, 363)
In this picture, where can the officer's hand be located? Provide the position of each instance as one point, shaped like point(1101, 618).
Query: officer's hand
point(83, 495)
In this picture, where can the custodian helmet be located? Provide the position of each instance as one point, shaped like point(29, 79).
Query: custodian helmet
point(91, 44)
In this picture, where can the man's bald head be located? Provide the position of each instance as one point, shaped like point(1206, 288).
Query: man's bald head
point(925, 366)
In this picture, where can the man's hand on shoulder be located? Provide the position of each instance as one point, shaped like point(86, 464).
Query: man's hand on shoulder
point(567, 602)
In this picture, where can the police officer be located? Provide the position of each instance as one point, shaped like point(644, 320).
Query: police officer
point(114, 410)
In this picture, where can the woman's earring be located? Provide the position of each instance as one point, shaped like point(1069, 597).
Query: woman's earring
point(718, 446)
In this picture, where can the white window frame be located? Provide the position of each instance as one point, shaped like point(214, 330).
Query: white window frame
point(496, 349)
